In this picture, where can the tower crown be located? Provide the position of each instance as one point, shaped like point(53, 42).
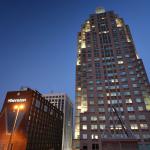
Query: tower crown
point(100, 10)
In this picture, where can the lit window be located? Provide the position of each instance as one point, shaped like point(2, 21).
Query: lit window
point(102, 126)
point(120, 62)
point(94, 127)
point(94, 136)
point(129, 100)
point(118, 127)
point(119, 22)
point(134, 126)
point(93, 118)
point(79, 89)
point(84, 127)
point(144, 126)
point(107, 94)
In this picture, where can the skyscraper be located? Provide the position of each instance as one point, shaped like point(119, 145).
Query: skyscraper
point(112, 88)
point(64, 104)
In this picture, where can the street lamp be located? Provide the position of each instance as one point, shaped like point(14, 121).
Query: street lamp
point(18, 108)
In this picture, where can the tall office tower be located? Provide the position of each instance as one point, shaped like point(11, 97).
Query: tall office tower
point(64, 104)
point(112, 88)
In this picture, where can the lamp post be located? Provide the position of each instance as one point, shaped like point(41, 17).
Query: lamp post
point(18, 108)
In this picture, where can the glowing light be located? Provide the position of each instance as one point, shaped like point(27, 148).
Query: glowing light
point(119, 22)
point(16, 107)
point(79, 89)
point(19, 107)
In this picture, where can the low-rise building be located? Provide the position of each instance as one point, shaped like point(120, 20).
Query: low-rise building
point(29, 122)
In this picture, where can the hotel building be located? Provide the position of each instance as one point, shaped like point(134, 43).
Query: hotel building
point(29, 122)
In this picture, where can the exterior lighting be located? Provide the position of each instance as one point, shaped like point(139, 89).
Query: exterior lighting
point(18, 108)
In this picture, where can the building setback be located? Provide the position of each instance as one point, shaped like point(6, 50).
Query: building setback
point(29, 122)
point(112, 88)
point(64, 104)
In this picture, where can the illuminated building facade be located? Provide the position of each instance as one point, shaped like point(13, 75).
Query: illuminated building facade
point(29, 122)
point(112, 88)
point(64, 104)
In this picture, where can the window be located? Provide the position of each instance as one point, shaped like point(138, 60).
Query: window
point(129, 101)
point(101, 118)
point(141, 117)
point(146, 136)
point(92, 109)
point(134, 85)
point(138, 100)
point(91, 102)
point(134, 126)
point(144, 126)
point(91, 88)
point(84, 118)
point(102, 126)
point(140, 108)
point(94, 136)
point(100, 102)
point(123, 80)
point(122, 73)
point(136, 92)
point(132, 79)
point(99, 88)
point(84, 127)
point(94, 127)
point(45, 108)
point(101, 109)
point(131, 117)
point(130, 108)
point(120, 62)
point(95, 147)
point(37, 104)
point(125, 86)
point(93, 118)
point(84, 136)
point(118, 126)
point(127, 93)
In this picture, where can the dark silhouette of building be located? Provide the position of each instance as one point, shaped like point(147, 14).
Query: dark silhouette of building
point(29, 122)
point(112, 88)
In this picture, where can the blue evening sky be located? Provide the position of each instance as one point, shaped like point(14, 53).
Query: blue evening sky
point(38, 40)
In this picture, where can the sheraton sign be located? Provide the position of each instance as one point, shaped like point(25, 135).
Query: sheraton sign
point(16, 100)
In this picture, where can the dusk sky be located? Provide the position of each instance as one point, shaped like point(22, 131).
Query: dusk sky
point(38, 40)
